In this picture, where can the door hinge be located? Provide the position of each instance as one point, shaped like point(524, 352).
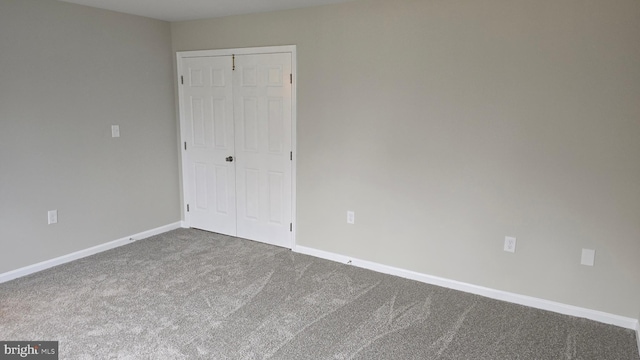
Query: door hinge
point(181, 79)
point(233, 62)
point(187, 207)
point(185, 145)
point(291, 155)
point(291, 227)
point(290, 78)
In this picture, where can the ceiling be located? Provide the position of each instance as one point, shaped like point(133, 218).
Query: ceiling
point(179, 10)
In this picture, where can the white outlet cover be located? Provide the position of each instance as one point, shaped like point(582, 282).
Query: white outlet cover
point(351, 217)
point(52, 217)
point(115, 131)
point(510, 244)
point(588, 257)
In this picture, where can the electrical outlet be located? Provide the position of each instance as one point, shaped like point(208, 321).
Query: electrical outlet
point(351, 217)
point(52, 217)
point(509, 244)
point(588, 257)
point(115, 131)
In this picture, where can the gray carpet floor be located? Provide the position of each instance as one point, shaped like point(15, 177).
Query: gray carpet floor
point(197, 295)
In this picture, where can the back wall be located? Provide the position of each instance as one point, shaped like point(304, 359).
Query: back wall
point(448, 125)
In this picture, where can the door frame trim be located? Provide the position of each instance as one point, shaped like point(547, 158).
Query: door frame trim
point(180, 56)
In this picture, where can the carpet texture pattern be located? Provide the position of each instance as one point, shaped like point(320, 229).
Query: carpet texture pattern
point(190, 294)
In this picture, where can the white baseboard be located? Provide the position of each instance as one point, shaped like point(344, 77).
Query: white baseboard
point(14, 274)
point(638, 334)
point(621, 321)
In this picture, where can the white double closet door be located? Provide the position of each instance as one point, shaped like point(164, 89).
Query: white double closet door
point(236, 122)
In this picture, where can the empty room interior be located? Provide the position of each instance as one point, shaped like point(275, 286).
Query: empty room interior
point(321, 179)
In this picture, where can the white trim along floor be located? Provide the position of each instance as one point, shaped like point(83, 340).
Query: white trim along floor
point(621, 321)
point(27, 270)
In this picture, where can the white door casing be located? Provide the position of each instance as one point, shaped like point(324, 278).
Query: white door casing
point(256, 109)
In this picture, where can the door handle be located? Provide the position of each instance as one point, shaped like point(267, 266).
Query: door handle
point(229, 159)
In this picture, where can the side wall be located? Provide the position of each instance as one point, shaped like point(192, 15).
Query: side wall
point(67, 73)
point(448, 125)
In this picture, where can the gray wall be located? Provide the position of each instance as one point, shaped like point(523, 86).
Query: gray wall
point(67, 73)
point(447, 125)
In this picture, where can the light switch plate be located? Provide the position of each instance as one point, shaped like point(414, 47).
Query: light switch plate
point(588, 257)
